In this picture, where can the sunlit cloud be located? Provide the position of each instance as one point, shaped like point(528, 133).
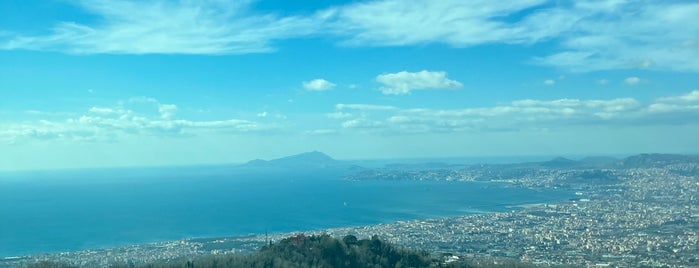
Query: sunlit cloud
point(105, 124)
point(338, 115)
point(404, 82)
point(691, 97)
point(102, 110)
point(589, 35)
point(167, 27)
point(114, 123)
point(612, 35)
point(632, 81)
point(454, 22)
point(593, 35)
point(320, 132)
point(549, 82)
point(364, 107)
point(361, 123)
point(529, 114)
point(318, 85)
point(167, 111)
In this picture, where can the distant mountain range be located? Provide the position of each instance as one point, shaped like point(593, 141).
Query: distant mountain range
point(656, 160)
point(635, 161)
point(317, 159)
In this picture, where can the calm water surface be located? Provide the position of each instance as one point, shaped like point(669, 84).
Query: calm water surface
point(66, 211)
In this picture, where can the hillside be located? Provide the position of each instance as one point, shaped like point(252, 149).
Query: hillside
point(313, 159)
point(656, 160)
point(319, 251)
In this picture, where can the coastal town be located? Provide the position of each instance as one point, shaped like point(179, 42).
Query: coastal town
point(635, 215)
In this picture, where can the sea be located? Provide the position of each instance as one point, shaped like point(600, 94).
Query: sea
point(69, 210)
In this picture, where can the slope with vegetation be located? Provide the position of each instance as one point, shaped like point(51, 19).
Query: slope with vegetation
point(314, 251)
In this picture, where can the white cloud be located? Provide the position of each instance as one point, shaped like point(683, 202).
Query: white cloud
point(628, 35)
point(266, 114)
point(692, 96)
point(338, 115)
point(361, 123)
point(318, 85)
point(530, 114)
point(455, 22)
point(168, 27)
point(113, 123)
point(590, 34)
point(35, 112)
point(403, 82)
point(602, 81)
point(167, 111)
point(143, 99)
point(369, 107)
point(102, 110)
point(549, 82)
point(632, 81)
point(319, 132)
point(593, 35)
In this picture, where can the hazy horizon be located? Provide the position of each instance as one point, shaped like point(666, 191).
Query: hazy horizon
point(368, 162)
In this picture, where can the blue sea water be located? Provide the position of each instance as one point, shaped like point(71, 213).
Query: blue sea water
point(67, 211)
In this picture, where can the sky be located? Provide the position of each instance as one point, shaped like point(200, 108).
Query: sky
point(100, 83)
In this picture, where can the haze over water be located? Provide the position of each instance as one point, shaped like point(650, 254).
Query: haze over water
point(67, 211)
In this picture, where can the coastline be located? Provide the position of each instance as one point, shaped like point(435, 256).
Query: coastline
point(609, 226)
point(634, 216)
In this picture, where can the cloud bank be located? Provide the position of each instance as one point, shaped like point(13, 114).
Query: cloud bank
point(107, 124)
point(111, 124)
point(525, 114)
point(588, 35)
point(167, 27)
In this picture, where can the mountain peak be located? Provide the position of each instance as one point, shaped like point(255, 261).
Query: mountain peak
point(561, 159)
point(314, 158)
point(559, 162)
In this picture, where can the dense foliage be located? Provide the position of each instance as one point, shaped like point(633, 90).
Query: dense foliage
point(313, 251)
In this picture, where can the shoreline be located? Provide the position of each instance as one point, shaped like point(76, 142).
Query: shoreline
point(464, 213)
point(646, 216)
point(236, 244)
point(250, 236)
point(201, 246)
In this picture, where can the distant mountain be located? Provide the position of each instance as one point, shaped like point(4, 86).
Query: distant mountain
point(258, 163)
point(635, 161)
point(598, 161)
point(317, 159)
point(656, 160)
point(559, 162)
point(313, 159)
point(309, 157)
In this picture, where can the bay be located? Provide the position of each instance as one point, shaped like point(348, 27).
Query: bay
point(74, 210)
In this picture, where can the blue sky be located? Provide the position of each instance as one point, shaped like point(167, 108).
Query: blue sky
point(133, 83)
